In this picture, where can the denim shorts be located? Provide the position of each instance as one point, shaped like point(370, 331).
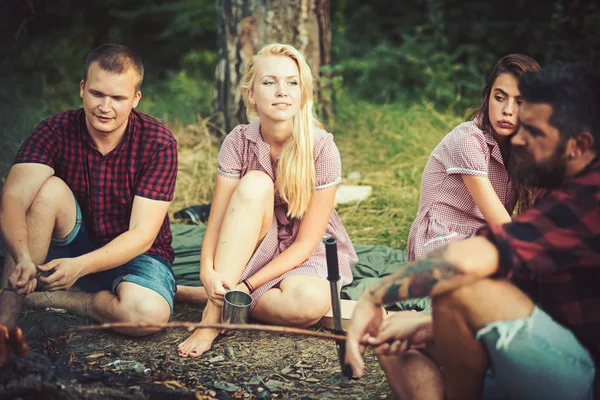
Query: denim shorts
point(536, 358)
point(146, 270)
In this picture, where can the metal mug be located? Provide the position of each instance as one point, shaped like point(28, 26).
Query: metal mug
point(236, 307)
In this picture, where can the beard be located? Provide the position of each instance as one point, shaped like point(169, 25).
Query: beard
point(548, 173)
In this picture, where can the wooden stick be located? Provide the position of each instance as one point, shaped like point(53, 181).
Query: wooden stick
point(192, 325)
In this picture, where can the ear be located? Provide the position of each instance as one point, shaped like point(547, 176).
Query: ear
point(136, 98)
point(579, 145)
point(81, 87)
point(251, 97)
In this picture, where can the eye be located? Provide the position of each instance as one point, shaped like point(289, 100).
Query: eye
point(499, 98)
point(268, 83)
point(519, 102)
point(293, 83)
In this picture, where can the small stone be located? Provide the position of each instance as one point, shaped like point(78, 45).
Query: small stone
point(226, 386)
point(274, 385)
point(354, 176)
point(229, 352)
point(265, 394)
point(256, 380)
point(217, 359)
point(287, 370)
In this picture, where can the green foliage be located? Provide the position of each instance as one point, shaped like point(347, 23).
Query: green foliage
point(181, 96)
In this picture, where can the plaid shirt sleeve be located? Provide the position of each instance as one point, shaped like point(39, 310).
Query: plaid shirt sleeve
point(561, 231)
point(39, 147)
point(159, 173)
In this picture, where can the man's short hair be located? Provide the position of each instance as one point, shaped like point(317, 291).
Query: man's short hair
point(573, 91)
point(117, 59)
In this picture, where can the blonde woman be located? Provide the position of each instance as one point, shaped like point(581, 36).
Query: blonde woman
point(273, 204)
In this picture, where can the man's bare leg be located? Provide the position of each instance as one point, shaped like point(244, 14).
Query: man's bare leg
point(457, 316)
point(190, 294)
point(247, 221)
point(413, 375)
point(132, 303)
point(52, 212)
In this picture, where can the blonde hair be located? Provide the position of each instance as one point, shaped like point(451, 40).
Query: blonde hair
point(296, 170)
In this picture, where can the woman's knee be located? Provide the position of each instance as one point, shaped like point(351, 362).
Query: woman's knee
point(255, 186)
point(308, 304)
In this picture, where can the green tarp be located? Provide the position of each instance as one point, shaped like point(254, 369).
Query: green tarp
point(374, 262)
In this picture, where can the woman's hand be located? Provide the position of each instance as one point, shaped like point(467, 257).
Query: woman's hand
point(216, 286)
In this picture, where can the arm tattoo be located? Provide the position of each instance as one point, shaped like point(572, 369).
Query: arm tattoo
point(416, 279)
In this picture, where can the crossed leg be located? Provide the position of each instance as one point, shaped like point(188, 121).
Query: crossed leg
point(457, 315)
point(246, 222)
point(300, 300)
point(53, 214)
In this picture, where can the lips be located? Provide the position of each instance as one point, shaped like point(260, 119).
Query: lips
point(281, 105)
point(506, 124)
point(103, 119)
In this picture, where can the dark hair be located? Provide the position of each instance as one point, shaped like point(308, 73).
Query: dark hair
point(573, 91)
point(514, 64)
point(115, 58)
point(517, 65)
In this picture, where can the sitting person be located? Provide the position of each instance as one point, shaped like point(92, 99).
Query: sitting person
point(468, 179)
point(515, 308)
point(272, 205)
point(85, 204)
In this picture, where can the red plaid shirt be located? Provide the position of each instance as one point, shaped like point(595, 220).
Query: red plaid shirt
point(144, 164)
point(552, 252)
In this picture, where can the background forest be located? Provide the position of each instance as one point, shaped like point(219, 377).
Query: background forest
point(403, 73)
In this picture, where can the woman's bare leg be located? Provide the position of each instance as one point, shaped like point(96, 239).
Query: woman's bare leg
point(247, 221)
point(300, 300)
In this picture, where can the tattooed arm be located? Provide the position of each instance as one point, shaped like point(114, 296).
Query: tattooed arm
point(450, 267)
point(460, 263)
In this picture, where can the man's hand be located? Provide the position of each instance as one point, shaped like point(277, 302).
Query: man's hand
point(366, 321)
point(63, 273)
point(403, 329)
point(216, 286)
point(24, 277)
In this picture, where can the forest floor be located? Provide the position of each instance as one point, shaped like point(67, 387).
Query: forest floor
point(241, 365)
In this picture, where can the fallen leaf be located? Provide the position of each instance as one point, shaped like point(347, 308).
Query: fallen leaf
point(95, 355)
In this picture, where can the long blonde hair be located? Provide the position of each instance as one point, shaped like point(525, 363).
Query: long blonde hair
point(296, 170)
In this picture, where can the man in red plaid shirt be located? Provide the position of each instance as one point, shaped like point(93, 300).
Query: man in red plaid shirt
point(85, 205)
point(516, 309)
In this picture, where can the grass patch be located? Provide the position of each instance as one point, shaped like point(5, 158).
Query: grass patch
point(389, 145)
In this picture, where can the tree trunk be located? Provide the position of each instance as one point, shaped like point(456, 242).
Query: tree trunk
point(244, 26)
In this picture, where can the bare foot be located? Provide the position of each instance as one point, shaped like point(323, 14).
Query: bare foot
point(190, 294)
point(198, 343)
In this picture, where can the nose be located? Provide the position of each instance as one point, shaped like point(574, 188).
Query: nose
point(105, 104)
point(509, 108)
point(518, 139)
point(281, 91)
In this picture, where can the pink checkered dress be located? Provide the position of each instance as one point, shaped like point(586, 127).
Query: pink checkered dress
point(447, 212)
point(244, 150)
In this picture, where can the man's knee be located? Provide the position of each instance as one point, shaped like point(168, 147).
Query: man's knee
point(51, 195)
point(147, 309)
point(483, 301)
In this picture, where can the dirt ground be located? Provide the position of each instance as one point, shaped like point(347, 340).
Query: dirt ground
point(241, 365)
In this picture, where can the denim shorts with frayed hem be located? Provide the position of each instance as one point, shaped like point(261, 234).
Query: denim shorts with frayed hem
point(536, 358)
point(146, 270)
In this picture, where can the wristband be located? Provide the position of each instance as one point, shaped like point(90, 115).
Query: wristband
point(247, 284)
